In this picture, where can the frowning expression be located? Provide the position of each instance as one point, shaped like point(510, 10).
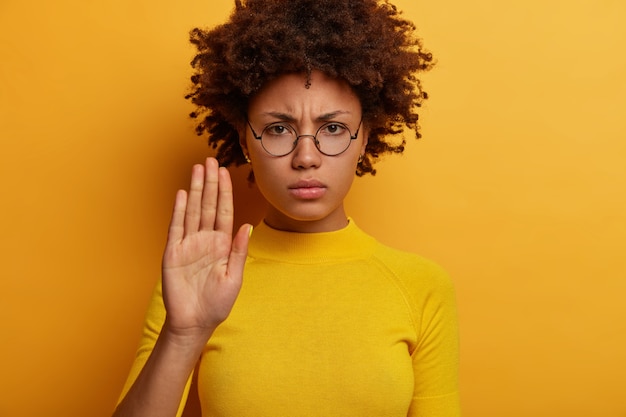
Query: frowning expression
point(305, 189)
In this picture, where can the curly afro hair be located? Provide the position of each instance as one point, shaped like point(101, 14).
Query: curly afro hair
point(364, 42)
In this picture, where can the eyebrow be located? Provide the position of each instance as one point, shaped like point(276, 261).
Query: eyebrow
point(285, 117)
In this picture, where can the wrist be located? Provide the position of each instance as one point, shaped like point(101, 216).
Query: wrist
point(192, 337)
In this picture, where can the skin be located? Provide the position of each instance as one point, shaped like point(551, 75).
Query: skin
point(203, 262)
point(202, 274)
point(286, 98)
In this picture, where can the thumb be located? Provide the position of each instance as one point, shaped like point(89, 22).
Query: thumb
point(239, 251)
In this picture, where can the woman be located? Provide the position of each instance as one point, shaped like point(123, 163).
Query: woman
point(308, 315)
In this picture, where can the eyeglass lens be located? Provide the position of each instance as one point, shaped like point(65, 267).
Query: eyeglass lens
point(331, 138)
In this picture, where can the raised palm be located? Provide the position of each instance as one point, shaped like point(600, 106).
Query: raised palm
point(203, 264)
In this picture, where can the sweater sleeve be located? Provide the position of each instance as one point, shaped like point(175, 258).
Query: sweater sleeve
point(155, 317)
point(436, 355)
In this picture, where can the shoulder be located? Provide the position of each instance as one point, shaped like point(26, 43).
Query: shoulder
point(411, 268)
point(422, 281)
point(426, 289)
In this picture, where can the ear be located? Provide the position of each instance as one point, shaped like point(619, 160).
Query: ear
point(366, 134)
point(241, 131)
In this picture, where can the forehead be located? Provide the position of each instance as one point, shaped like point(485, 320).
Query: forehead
point(291, 94)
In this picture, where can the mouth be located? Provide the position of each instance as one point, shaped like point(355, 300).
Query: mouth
point(307, 189)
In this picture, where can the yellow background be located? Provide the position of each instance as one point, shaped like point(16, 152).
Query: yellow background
point(517, 188)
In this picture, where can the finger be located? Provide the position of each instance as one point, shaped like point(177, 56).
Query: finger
point(239, 251)
point(192, 213)
point(209, 194)
point(225, 211)
point(177, 223)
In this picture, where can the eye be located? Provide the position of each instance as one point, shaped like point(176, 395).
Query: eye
point(333, 129)
point(278, 130)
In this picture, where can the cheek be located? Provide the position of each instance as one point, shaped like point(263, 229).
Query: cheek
point(255, 150)
point(267, 174)
point(344, 174)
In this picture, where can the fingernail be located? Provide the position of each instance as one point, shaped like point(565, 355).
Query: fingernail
point(250, 231)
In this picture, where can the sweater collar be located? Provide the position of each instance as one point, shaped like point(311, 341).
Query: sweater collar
point(289, 247)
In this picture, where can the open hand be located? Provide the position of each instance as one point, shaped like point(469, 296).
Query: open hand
point(203, 264)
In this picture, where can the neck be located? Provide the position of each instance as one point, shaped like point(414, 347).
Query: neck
point(337, 220)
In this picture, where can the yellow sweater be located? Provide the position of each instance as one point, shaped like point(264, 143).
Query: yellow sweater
point(329, 324)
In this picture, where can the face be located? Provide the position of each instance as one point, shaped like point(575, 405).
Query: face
point(305, 189)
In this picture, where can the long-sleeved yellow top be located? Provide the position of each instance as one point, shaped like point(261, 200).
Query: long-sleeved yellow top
point(329, 324)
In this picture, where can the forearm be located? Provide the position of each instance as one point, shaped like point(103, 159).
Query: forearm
point(202, 274)
point(158, 389)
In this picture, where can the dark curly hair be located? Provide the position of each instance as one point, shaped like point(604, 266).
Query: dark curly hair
point(364, 42)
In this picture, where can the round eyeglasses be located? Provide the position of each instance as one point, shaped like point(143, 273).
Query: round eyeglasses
point(280, 139)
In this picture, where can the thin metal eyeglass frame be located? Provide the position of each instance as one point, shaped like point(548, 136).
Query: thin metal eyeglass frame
point(315, 141)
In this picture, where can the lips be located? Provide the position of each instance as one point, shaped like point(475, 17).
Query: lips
point(307, 189)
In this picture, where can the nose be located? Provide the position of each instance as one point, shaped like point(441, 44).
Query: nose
point(306, 155)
